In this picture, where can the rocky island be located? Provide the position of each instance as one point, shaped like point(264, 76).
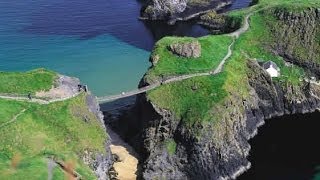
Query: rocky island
point(199, 127)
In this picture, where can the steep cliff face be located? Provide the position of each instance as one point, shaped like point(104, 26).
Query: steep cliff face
point(179, 9)
point(297, 35)
point(100, 163)
point(161, 9)
point(218, 151)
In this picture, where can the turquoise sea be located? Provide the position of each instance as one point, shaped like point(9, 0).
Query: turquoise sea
point(102, 42)
point(33, 36)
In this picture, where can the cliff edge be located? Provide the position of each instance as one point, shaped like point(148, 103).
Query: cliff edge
point(50, 129)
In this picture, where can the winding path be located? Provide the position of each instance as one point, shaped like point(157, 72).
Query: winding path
point(235, 35)
point(13, 119)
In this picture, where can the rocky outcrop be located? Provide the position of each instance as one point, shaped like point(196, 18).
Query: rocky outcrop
point(216, 150)
point(220, 23)
point(173, 10)
point(297, 36)
point(186, 49)
point(161, 9)
point(100, 163)
point(64, 87)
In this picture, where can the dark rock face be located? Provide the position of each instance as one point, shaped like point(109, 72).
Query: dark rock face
point(297, 35)
point(102, 163)
point(162, 9)
point(187, 49)
point(173, 10)
point(207, 151)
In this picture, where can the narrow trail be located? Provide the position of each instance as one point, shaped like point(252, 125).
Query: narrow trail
point(127, 166)
point(13, 119)
point(220, 67)
point(243, 29)
point(235, 35)
point(36, 100)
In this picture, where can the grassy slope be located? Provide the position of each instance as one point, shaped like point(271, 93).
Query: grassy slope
point(194, 106)
point(24, 83)
point(57, 129)
point(213, 49)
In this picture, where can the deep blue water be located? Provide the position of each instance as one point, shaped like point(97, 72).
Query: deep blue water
point(286, 148)
point(99, 41)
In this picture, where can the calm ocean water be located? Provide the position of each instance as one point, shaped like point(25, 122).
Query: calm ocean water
point(99, 41)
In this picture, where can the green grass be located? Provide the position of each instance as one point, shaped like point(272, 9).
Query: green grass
point(24, 83)
point(190, 100)
point(213, 49)
point(28, 168)
point(57, 129)
point(291, 4)
point(171, 146)
point(255, 42)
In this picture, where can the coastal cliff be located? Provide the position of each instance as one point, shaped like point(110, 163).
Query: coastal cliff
point(102, 163)
point(50, 129)
point(298, 36)
point(199, 128)
point(218, 151)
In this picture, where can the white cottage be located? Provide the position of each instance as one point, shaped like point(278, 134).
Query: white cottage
point(272, 69)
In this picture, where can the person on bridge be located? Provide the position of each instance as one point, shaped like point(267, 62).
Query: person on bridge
point(29, 96)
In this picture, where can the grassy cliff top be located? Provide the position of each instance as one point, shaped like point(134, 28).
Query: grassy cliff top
point(213, 49)
point(291, 4)
point(31, 133)
point(28, 82)
point(202, 99)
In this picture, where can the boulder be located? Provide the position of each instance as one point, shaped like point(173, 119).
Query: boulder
point(186, 49)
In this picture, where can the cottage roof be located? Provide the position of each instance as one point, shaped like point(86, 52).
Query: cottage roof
point(270, 64)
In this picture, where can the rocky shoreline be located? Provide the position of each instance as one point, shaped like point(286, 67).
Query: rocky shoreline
point(172, 11)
